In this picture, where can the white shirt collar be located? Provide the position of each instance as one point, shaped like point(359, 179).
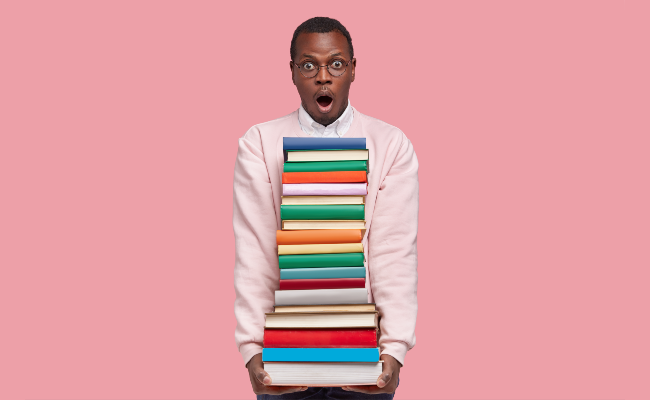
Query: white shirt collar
point(337, 128)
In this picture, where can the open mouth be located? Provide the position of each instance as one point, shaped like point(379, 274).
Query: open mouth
point(324, 102)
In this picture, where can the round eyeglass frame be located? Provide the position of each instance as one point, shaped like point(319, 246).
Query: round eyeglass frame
point(319, 67)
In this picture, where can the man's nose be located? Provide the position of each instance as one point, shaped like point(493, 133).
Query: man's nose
point(323, 76)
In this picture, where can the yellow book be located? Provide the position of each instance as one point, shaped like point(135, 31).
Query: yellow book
point(320, 248)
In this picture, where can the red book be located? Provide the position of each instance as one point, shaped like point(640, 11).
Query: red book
point(320, 338)
point(320, 236)
point(329, 283)
point(324, 177)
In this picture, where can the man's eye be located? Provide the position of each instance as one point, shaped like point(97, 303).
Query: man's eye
point(337, 64)
point(308, 66)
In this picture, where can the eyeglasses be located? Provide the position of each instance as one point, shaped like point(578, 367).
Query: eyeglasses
point(309, 69)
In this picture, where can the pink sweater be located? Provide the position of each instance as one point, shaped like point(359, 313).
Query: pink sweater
point(390, 241)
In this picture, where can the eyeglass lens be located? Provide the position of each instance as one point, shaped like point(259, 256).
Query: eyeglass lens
point(310, 70)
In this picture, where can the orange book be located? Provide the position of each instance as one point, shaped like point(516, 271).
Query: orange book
point(324, 177)
point(324, 236)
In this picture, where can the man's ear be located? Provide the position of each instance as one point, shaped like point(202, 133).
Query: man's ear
point(293, 79)
point(352, 70)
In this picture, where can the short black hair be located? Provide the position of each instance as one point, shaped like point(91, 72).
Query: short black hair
point(320, 25)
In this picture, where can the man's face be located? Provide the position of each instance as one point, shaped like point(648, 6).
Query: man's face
point(324, 96)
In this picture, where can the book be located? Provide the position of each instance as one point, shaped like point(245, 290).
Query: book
point(324, 189)
point(321, 260)
point(298, 200)
point(349, 211)
point(321, 296)
point(298, 143)
point(324, 177)
point(332, 283)
point(326, 166)
point(323, 236)
point(317, 354)
point(323, 273)
point(323, 374)
point(327, 308)
point(324, 338)
point(322, 320)
point(325, 155)
point(323, 224)
point(285, 249)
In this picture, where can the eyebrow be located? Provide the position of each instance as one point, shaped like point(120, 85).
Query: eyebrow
point(329, 56)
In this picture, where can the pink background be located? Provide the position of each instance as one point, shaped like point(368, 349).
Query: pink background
point(119, 124)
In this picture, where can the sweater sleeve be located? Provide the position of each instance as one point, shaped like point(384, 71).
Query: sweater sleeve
point(392, 253)
point(256, 264)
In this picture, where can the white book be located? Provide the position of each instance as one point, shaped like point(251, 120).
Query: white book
point(323, 224)
point(321, 296)
point(327, 308)
point(323, 374)
point(321, 320)
point(300, 200)
point(327, 155)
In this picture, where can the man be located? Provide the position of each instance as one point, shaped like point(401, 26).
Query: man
point(322, 69)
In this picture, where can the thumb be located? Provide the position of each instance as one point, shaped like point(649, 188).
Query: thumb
point(263, 377)
point(385, 377)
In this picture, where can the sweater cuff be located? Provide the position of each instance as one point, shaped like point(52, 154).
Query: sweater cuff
point(396, 349)
point(248, 350)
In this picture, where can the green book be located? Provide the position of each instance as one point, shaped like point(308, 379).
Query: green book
point(318, 212)
point(321, 260)
point(325, 166)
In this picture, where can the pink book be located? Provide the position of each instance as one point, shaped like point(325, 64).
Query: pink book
point(324, 189)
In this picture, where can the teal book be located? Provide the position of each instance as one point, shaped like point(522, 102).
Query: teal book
point(326, 166)
point(321, 260)
point(323, 273)
point(322, 212)
point(336, 354)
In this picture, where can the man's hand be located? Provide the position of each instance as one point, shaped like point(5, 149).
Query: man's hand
point(260, 379)
point(387, 381)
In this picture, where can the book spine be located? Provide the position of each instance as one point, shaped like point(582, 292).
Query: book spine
point(325, 155)
point(320, 212)
point(319, 236)
point(332, 283)
point(294, 143)
point(321, 296)
point(306, 225)
point(285, 249)
point(323, 374)
point(324, 177)
point(324, 189)
point(320, 354)
point(322, 200)
point(321, 260)
point(323, 338)
point(323, 273)
point(325, 166)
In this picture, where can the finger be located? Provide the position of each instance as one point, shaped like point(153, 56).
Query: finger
point(263, 377)
point(384, 378)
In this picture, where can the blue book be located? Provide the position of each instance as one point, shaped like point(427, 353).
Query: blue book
point(321, 355)
point(323, 273)
point(297, 143)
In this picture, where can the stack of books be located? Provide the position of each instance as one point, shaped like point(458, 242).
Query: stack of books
point(323, 331)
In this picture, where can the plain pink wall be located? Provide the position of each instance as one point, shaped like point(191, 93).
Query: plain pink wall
point(119, 124)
